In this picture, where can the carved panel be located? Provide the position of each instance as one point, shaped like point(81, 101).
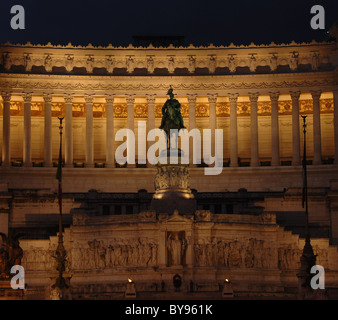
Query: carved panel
point(285, 107)
point(264, 108)
point(141, 111)
point(202, 110)
point(223, 109)
point(326, 106)
point(16, 108)
point(243, 109)
point(58, 109)
point(120, 110)
point(79, 110)
point(37, 109)
point(99, 110)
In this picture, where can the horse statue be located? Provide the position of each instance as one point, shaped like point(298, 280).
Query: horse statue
point(172, 118)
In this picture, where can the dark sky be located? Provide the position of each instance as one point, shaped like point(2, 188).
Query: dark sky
point(101, 22)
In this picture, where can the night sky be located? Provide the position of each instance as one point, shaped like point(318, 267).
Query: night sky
point(101, 22)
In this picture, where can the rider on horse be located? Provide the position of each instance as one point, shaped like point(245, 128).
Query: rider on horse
point(176, 106)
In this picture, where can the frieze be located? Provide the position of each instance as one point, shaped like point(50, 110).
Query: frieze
point(105, 86)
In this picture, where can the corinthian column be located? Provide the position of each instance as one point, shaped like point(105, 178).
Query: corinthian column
point(254, 129)
point(48, 130)
point(6, 124)
point(110, 163)
point(295, 128)
point(27, 148)
point(68, 130)
point(335, 125)
point(233, 130)
point(275, 157)
point(192, 124)
point(130, 125)
point(89, 131)
point(151, 117)
point(212, 98)
point(317, 145)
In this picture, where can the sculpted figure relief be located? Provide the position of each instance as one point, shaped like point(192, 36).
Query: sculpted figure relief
point(176, 249)
point(250, 253)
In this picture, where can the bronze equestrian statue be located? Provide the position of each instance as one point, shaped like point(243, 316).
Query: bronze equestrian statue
point(172, 118)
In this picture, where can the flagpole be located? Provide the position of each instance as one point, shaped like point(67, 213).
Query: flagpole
point(308, 258)
point(60, 254)
point(305, 198)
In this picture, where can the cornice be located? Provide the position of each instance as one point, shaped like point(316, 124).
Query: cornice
point(170, 47)
point(60, 84)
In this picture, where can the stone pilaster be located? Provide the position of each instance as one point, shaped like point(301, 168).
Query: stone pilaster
point(27, 147)
point(317, 145)
point(275, 154)
point(254, 129)
point(6, 125)
point(48, 130)
point(110, 148)
point(233, 130)
point(295, 128)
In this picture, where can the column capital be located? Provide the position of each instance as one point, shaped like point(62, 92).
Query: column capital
point(27, 96)
point(110, 98)
point(68, 97)
point(253, 96)
point(130, 98)
point(47, 97)
point(233, 97)
point(295, 95)
point(89, 98)
point(316, 94)
point(274, 96)
point(151, 98)
point(212, 97)
point(6, 96)
point(192, 97)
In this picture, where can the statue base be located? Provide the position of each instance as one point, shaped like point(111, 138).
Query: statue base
point(172, 184)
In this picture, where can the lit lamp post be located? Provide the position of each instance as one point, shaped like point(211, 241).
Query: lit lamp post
point(308, 258)
point(60, 255)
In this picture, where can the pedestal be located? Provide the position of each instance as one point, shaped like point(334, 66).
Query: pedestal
point(172, 185)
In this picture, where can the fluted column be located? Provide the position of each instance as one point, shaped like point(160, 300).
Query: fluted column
point(27, 147)
point(335, 125)
point(110, 149)
point(295, 128)
point(212, 98)
point(233, 130)
point(151, 117)
point(89, 98)
point(6, 126)
point(130, 124)
point(275, 156)
point(192, 124)
point(317, 143)
point(254, 129)
point(68, 130)
point(48, 130)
